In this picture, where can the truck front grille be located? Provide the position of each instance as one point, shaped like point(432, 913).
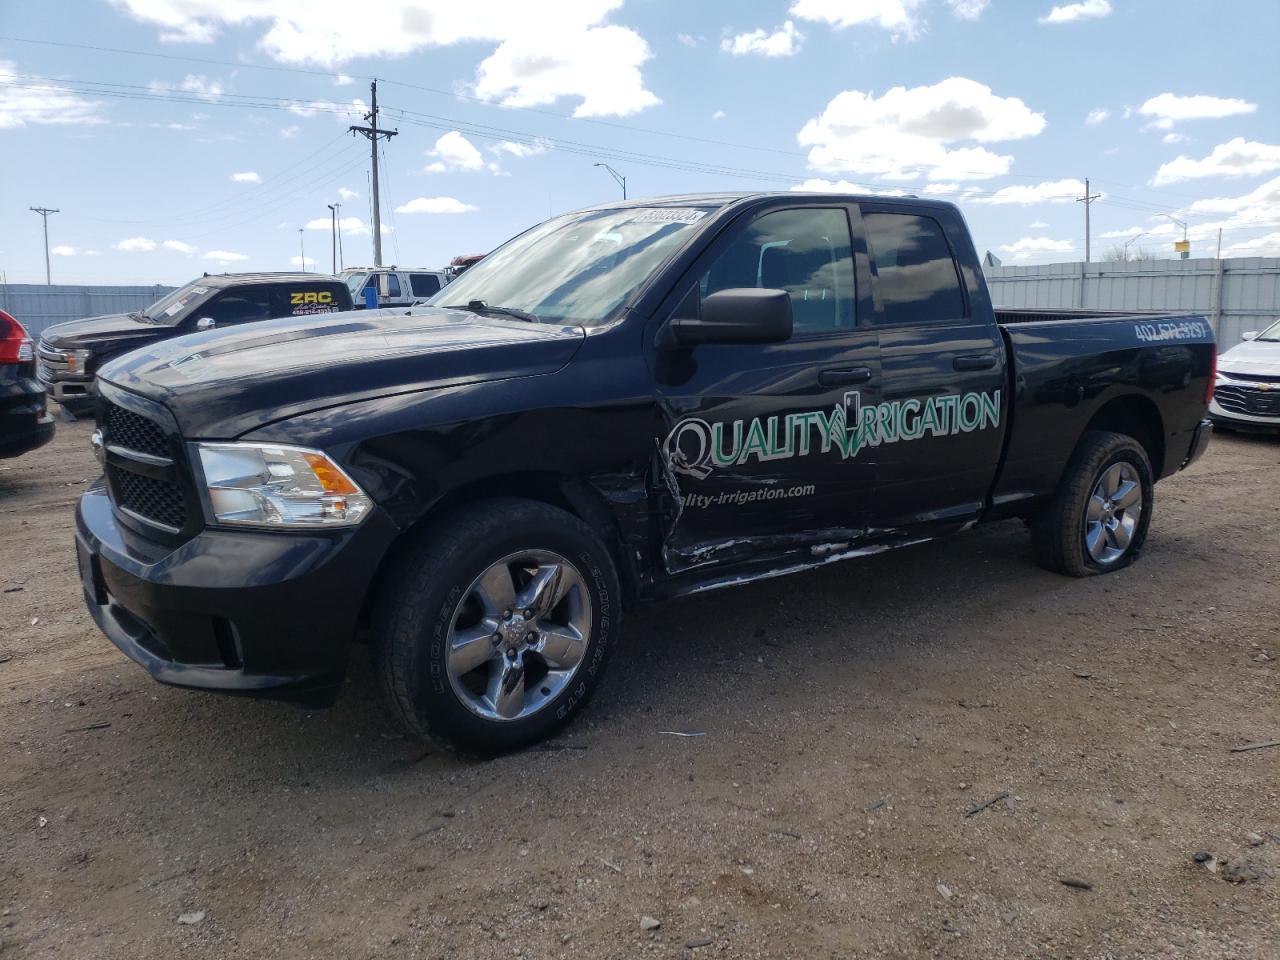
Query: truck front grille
point(158, 501)
point(145, 467)
point(1257, 401)
point(132, 431)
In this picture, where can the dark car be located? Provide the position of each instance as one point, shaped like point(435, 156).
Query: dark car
point(633, 402)
point(71, 353)
point(25, 423)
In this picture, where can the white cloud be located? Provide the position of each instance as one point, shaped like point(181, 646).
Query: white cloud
point(1085, 10)
point(225, 256)
point(1173, 138)
point(350, 226)
point(1051, 191)
point(521, 150)
point(178, 246)
point(306, 264)
point(350, 111)
point(1262, 202)
point(940, 189)
point(688, 39)
point(1097, 115)
point(23, 102)
point(346, 194)
point(1235, 158)
point(897, 16)
point(342, 80)
point(1119, 234)
point(1037, 224)
point(136, 245)
point(1168, 108)
point(783, 42)
point(1027, 247)
point(434, 205)
point(1264, 246)
point(819, 185)
point(289, 132)
point(907, 132)
point(206, 88)
point(247, 176)
point(719, 115)
point(453, 151)
point(62, 250)
point(967, 9)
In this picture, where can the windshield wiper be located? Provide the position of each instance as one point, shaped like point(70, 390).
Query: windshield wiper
point(141, 317)
point(479, 306)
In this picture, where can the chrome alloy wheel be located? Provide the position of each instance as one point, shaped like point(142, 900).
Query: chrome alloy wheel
point(518, 635)
point(1114, 510)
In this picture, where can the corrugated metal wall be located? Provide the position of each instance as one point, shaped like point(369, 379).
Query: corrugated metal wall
point(38, 306)
point(1236, 295)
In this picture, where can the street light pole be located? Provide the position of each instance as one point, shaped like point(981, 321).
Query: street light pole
point(1129, 241)
point(1186, 247)
point(302, 250)
point(337, 213)
point(621, 180)
point(333, 234)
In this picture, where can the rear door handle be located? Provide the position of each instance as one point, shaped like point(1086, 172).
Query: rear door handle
point(980, 361)
point(844, 378)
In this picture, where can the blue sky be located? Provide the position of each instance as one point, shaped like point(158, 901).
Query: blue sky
point(202, 134)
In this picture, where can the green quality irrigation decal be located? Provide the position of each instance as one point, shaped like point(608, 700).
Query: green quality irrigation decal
point(695, 447)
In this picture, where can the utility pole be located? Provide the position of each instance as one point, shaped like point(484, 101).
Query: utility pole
point(372, 133)
point(44, 215)
point(622, 181)
point(333, 234)
point(302, 251)
point(1219, 256)
point(1087, 199)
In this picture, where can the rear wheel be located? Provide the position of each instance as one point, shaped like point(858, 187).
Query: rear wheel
point(494, 629)
point(1098, 519)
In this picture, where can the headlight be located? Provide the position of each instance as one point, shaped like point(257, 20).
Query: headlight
point(77, 360)
point(266, 485)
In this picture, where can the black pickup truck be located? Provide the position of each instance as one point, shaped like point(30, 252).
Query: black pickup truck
point(69, 354)
point(631, 402)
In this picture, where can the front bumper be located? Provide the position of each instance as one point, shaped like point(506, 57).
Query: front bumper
point(25, 422)
point(1239, 420)
point(78, 397)
point(256, 613)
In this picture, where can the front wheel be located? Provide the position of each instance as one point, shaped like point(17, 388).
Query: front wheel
point(1098, 519)
point(494, 629)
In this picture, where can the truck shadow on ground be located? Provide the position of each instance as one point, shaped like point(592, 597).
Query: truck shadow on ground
point(716, 654)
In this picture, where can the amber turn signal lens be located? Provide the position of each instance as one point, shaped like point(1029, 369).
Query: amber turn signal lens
point(332, 479)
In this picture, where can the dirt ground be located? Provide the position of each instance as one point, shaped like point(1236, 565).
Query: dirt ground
point(849, 722)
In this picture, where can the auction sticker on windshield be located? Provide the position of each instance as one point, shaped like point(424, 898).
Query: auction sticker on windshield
point(669, 215)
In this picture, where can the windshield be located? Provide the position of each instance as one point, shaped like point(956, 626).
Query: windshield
point(578, 268)
point(355, 283)
point(177, 306)
point(1271, 334)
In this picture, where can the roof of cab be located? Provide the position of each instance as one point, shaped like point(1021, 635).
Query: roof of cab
point(721, 200)
point(230, 279)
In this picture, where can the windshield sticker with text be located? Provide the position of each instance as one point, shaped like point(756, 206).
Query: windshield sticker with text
point(669, 215)
point(695, 447)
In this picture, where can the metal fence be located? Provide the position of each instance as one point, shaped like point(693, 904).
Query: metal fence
point(38, 306)
point(1236, 295)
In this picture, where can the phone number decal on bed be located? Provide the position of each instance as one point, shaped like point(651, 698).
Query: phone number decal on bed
point(1172, 330)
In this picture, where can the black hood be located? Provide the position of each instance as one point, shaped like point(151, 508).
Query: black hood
point(109, 334)
point(223, 383)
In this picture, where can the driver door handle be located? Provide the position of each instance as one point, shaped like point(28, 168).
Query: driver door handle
point(844, 378)
point(979, 361)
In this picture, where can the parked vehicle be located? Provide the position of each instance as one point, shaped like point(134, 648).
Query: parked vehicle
point(1247, 394)
point(393, 286)
point(25, 423)
point(70, 354)
point(632, 402)
point(461, 264)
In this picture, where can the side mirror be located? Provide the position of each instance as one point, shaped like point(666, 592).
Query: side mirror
point(1249, 335)
point(206, 323)
point(737, 315)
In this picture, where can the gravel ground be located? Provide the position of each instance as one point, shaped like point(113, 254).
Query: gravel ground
point(850, 722)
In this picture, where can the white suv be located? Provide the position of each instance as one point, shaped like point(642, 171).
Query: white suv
point(395, 286)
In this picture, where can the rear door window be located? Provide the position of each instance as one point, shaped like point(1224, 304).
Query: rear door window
point(245, 305)
point(424, 284)
point(916, 276)
point(393, 284)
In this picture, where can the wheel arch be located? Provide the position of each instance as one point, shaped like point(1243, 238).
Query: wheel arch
point(571, 494)
point(1135, 416)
